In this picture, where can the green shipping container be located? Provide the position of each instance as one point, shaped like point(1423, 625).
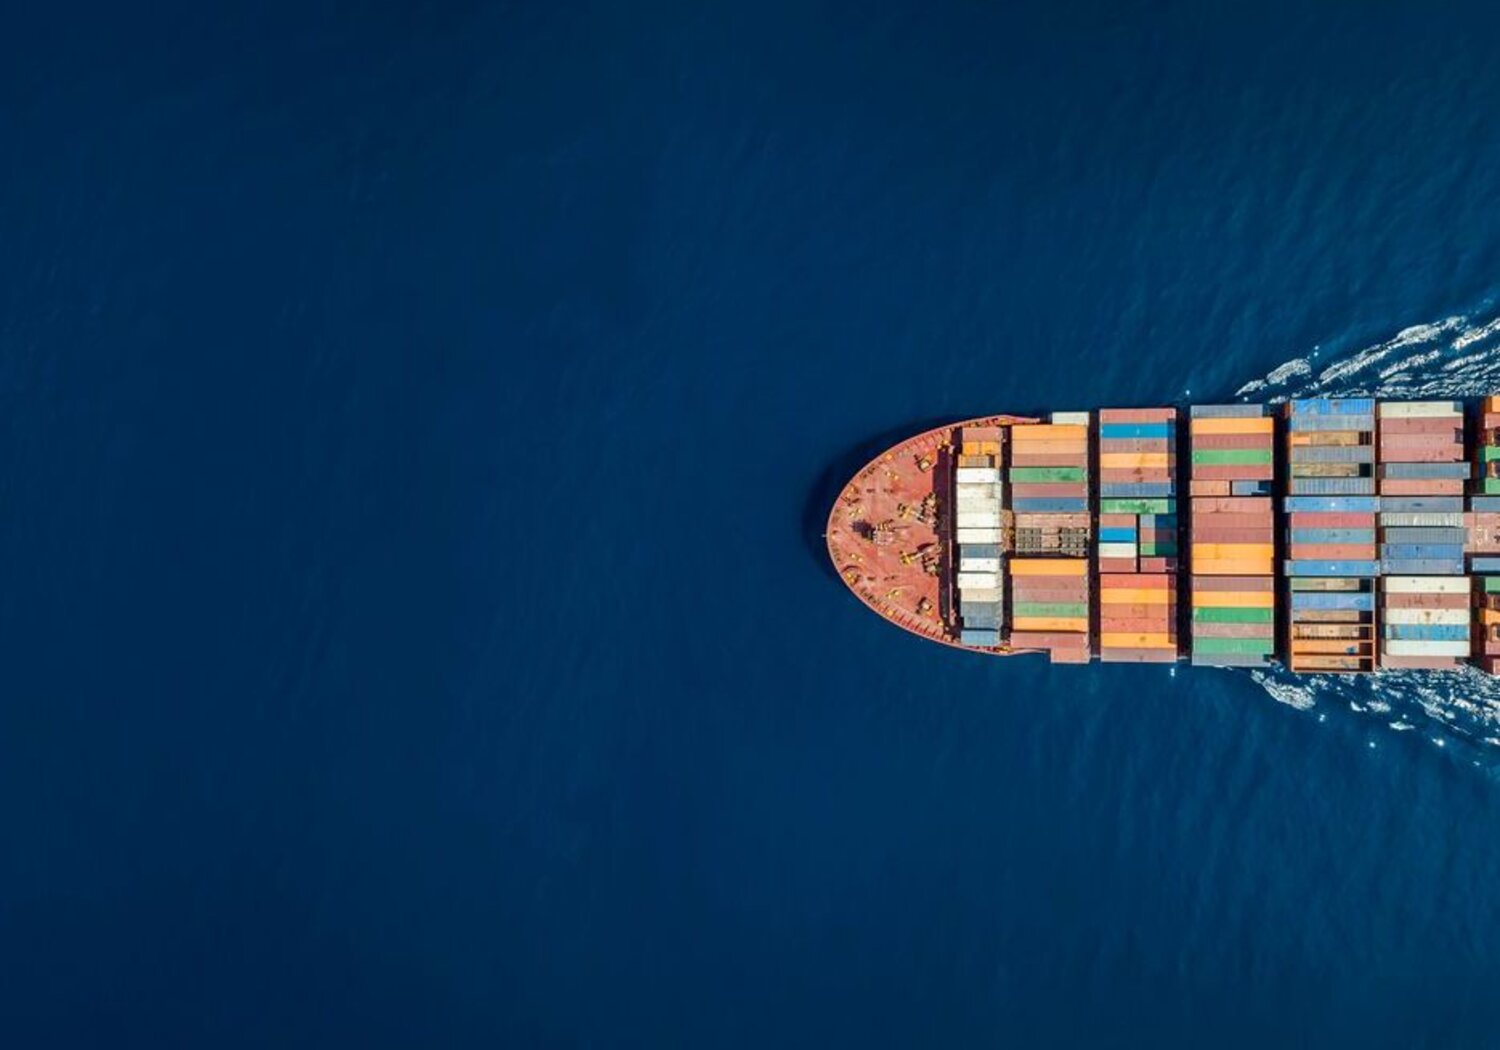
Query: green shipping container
point(1231, 457)
point(1022, 475)
point(1489, 452)
point(1159, 549)
point(1141, 506)
point(1249, 646)
point(1491, 584)
point(1221, 615)
point(1049, 609)
point(1492, 486)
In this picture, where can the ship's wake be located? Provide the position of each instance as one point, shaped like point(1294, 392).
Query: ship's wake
point(1456, 357)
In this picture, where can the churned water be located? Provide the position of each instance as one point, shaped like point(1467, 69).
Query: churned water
point(419, 422)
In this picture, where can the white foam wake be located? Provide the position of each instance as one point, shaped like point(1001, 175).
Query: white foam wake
point(1458, 356)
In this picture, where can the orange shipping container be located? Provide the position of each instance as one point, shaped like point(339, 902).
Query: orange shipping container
point(1222, 551)
point(1050, 623)
point(1048, 566)
point(1233, 567)
point(1251, 425)
point(1124, 640)
point(1234, 599)
point(1135, 596)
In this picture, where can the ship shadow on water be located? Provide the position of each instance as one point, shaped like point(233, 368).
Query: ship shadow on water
point(831, 481)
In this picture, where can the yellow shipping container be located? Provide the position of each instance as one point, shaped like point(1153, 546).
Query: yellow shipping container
point(1130, 640)
point(1128, 460)
point(991, 448)
point(1136, 596)
point(1234, 599)
point(1489, 616)
point(1049, 567)
point(1076, 625)
point(1049, 432)
point(1254, 425)
point(1231, 551)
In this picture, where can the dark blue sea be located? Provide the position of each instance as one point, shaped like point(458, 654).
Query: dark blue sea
point(417, 422)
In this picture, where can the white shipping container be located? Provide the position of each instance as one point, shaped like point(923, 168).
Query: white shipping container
point(978, 581)
point(1396, 647)
point(1419, 409)
point(1117, 550)
point(979, 519)
point(1426, 584)
point(1071, 418)
point(977, 506)
point(967, 535)
point(983, 490)
point(978, 564)
point(985, 595)
point(1453, 616)
point(1397, 520)
point(980, 474)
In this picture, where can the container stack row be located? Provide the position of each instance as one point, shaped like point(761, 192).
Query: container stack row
point(978, 495)
point(1049, 493)
point(1234, 535)
point(1483, 535)
point(1332, 561)
point(1425, 602)
point(1138, 535)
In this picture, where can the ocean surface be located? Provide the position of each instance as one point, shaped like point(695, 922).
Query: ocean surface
point(417, 423)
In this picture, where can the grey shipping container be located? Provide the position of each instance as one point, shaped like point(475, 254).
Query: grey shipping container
point(1227, 411)
point(979, 550)
point(1487, 504)
point(1331, 486)
point(1228, 660)
point(1333, 454)
point(1422, 504)
point(979, 636)
point(1333, 535)
point(1425, 471)
point(1304, 424)
point(1419, 535)
point(1249, 488)
point(982, 618)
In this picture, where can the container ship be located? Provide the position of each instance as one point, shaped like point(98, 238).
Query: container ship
point(1330, 535)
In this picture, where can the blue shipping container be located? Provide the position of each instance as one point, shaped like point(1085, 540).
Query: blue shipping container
point(977, 636)
point(1227, 411)
point(1485, 564)
point(1420, 551)
point(1332, 568)
point(1304, 424)
point(1142, 489)
point(1422, 567)
point(1333, 535)
point(1158, 521)
point(1487, 504)
point(1347, 600)
point(1331, 504)
point(1422, 504)
point(1427, 632)
point(1326, 406)
point(979, 550)
point(1117, 534)
point(1249, 488)
point(1135, 431)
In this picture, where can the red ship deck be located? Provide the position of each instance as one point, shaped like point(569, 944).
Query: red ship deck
point(888, 549)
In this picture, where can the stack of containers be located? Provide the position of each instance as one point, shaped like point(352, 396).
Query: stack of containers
point(1332, 563)
point(1425, 597)
point(978, 493)
point(1234, 535)
point(1049, 478)
point(1483, 535)
point(1138, 535)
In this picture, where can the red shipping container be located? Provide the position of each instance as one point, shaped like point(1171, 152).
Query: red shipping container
point(1136, 445)
point(1230, 521)
point(1117, 565)
point(1207, 534)
point(1234, 583)
point(1115, 521)
point(1049, 459)
point(1421, 487)
point(1437, 454)
point(1047, 640)
point(1246, 472)
point(1260, 505)
point(1449, 425)
point(1330, 520)
point(1331, 552)
point(1049, 489)
point(1424, 663)
point(1233, 630)
point(1391, 600)
point(1137, 415)
point(1158, 564)
point(1134, 475)
point(1139, 656)
point(1231, 441)
point(1143, 580)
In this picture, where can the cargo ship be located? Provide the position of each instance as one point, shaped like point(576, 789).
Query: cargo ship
point(1328, 535)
